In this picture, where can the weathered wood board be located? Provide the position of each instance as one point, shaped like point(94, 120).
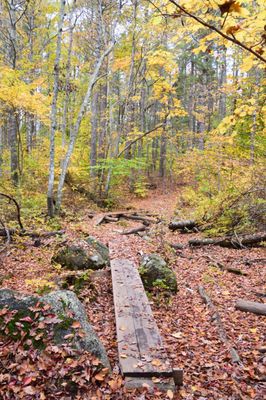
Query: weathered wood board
point(141, 351)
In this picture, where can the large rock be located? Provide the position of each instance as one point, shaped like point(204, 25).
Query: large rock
point(154, 273)
point(83, 254)
point(62, 302)
point(100, 248)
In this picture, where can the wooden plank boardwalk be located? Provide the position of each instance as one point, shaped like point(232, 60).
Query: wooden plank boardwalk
point(141, 351)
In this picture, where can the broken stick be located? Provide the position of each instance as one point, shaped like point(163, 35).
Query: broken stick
point(216, 316)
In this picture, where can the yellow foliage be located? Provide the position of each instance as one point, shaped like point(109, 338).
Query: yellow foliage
point(16, 93)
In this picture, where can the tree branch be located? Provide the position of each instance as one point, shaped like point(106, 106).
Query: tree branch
point(140, 137)
point(213, 28)
point(17, 207)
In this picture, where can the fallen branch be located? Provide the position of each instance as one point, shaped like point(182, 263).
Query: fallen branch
point(176, 246)
point(216, 316)
point(251, 306)
point(10, 198)
point(231, 241)
point(225, 268)
point(141, 228)
point(184, 226)
point(31, 234)
point(116, 216)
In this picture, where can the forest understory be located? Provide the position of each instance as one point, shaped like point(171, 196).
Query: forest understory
point(187, 325)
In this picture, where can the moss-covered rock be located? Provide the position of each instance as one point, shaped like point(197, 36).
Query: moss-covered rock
point(154, 272)
point(68, 309)
point(100, 248)
point(82, 255)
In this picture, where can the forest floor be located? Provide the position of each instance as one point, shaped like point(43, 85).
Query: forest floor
point(186, 324)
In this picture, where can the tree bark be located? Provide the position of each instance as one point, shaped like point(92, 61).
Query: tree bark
point(186, 225)
point(50, 196)
point(251, 306)
point(231, 242)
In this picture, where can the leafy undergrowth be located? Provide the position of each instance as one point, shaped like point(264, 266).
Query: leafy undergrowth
point(190, 334)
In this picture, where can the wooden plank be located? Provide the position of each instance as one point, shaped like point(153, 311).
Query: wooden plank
point(161, 384)
point(140, 347)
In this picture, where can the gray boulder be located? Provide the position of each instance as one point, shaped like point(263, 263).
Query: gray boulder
point(62, 302)
point(83, 254)
point(100, 248)
point(154, 272)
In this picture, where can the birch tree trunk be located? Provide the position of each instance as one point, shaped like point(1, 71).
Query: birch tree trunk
point(74, 132)
point(50, 199)
point(68, 74)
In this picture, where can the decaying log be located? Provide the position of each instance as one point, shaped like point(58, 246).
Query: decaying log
point(116, 216)
point(237, 242)
point(223, 267)
point(176, 246)
point(216, 316)
point(31, 234)
point(141, 228)
point(251, 306)
point(184, 226)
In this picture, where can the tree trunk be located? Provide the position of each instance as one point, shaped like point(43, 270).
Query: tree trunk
point(50, 196)
point(14, 159)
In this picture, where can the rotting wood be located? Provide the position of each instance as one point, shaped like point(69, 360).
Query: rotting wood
point(31, 234)
point(141, 351)
point(251, 306)
point(116, 216)
point(236, 242)
point(176, 246)
point(138, 229)
point(223, 267)
point(216, 316)
point(184, 226)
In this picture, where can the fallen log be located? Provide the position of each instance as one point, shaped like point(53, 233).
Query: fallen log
point(116, 216)
point(184, 226)
point(217, 318)
point(251, 306)
point(31, 234)
point(237, 242)
point(176, 246)
point(223, 267)
point(139, 218)
point(141, 228)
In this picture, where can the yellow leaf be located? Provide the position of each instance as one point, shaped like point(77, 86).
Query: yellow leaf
point(156, 362)
point(76, 324)
point(253, 330)
point(177, 335)
point(170, 394)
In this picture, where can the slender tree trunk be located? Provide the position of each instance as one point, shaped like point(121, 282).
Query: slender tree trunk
point(68, 74)
point(50, 199)
point(75, 130)
point(94, 131)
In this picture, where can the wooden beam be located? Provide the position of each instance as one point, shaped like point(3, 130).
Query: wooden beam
point(141, 351)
